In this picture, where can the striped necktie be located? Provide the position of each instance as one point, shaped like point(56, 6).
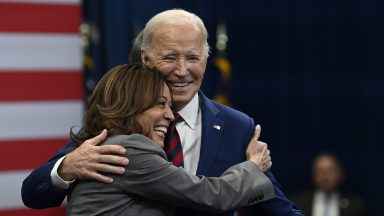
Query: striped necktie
point(173, 146)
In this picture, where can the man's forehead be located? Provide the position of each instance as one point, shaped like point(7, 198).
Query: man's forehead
point(177, 33)
point(175, 41)
point(178, 47)
point(179, 52)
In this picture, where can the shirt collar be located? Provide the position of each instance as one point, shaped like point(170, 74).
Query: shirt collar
point(190, 111)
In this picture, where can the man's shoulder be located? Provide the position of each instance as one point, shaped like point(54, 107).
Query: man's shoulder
point(229, 110)
point(223, 110)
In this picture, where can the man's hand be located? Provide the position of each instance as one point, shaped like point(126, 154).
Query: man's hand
point(88, 160)
point(258, 151)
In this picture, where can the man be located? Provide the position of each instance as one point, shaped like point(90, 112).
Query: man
point(326, 199)
point(214, 137)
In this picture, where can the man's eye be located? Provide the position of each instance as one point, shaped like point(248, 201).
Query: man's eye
point(169, 58)
point(193, 58)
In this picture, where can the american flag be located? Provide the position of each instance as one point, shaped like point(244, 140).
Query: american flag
point(41, 90)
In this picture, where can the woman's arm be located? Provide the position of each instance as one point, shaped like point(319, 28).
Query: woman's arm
point(150, 175)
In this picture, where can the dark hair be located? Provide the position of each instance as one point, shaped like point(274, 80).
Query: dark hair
point(121, 95)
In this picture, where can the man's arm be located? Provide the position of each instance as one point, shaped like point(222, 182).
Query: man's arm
point(88, 160)
point(37, 191)
point(85, 162)
point(280, 205)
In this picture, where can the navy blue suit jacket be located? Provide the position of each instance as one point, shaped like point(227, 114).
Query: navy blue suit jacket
point(220, 149)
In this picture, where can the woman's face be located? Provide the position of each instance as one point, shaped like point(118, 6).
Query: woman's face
point(156, 119)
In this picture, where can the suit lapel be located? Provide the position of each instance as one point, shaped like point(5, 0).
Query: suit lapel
point(212, 129)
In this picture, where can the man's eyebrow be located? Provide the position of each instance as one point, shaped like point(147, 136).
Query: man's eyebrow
point(196, 53)
point(167, 52)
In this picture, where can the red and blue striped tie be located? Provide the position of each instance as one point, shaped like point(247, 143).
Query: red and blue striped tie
point(173, 146)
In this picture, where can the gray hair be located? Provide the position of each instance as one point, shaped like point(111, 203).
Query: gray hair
point(135, 54)
point(173, 17)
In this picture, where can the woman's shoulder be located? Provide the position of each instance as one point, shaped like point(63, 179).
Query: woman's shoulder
point(120, 138)
point(137, 141)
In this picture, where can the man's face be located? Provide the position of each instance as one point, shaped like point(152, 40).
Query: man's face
point(177, 51)
point(327, 174)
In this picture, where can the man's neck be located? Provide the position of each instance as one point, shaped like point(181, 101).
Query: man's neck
point(176, 108)
point(190, 111)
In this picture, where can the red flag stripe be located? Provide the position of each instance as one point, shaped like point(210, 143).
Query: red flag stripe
point(24, 17)
point(67, 2)
point(28, 154)
point(60, 211)
point(35, 85)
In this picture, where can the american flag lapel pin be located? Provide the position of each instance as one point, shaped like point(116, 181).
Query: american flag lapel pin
point(217, 127)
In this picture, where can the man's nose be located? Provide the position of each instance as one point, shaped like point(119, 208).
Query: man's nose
point(181, 68)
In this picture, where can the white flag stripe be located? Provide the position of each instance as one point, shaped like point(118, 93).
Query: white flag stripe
point(40, 51)
point(74, 2)
point(51, 119)
point(10, 187)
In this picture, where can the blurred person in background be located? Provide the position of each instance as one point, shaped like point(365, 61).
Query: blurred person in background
point(327, 199)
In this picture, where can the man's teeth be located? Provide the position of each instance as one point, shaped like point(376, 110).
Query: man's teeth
point(160, 130)
point(179, 84)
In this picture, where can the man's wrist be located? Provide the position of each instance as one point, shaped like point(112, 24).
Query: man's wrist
point(56, 181)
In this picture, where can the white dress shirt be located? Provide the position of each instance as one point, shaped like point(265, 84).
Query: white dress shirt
point(56, 180)
point(325, 204)
point(190, 134)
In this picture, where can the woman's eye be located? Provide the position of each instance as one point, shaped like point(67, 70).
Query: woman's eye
point(161, 103)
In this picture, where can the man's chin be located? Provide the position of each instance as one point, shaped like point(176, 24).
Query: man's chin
point(179, 102)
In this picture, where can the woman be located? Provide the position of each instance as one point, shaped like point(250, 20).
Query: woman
point(134, 104)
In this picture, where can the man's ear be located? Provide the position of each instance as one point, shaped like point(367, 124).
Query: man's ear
point(144, 58)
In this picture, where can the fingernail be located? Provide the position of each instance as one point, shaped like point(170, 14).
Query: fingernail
point(122, 150)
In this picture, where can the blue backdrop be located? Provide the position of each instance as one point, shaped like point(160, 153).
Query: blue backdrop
point(311, 72)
